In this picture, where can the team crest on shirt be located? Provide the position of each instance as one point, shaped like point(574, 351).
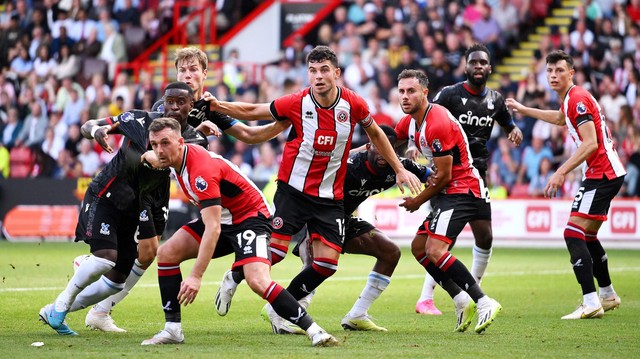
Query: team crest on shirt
point(104, 229)
point(201, 184)
point(342, 116)
point(437, 146)
point(581, 108)
point(126, 117)
point(144, 217)
point(490, 104)
point(277, 223)
point(423, 142)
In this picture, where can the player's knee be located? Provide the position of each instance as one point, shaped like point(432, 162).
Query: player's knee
point(146, 256)
point(108, 254)
point(390, 253)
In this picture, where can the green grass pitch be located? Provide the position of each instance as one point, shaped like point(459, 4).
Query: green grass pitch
point(535, 287)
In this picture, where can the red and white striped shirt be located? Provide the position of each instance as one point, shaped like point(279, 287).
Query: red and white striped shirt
point(315, 156)
point(579, 106)
point(441, 134)
point(208, 179)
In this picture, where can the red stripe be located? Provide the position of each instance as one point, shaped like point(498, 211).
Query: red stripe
point(272, 292)
point(106, 187)
point(282, 237)
point(422, 259)
point(449, 261)
point(280, 247)
point(334, 246)
point(591, 236)
point(325, 272)
point(595, 217)
point(242, 262)
point(439, 237)
point(168, 272)
point(193, 234)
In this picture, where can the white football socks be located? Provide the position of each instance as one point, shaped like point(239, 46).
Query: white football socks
point(480, 261)
point(88, 272)
point(97, 291)
point(376, 284)
point(133, 278)
point(428, 288)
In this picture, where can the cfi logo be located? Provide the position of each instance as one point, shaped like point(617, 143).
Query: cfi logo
point(277, 223)
point(144, 217)
point(342, 116)
point(201, 184)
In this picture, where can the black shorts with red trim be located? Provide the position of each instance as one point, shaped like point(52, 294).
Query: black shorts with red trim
point(451, 212)
point(594, 198)
point(324, 217)
point(249, 240)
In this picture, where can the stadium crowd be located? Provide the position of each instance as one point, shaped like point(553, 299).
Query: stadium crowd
point(45, 94)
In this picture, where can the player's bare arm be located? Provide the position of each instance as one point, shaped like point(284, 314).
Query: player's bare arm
point(99, 130)
point(149, 158)
point(257, 134)
point(240, 110)
point(554, 117)
point(209, 129)
point(588, 146)
point(403, 177)
point(440, 181)
point(191, 285)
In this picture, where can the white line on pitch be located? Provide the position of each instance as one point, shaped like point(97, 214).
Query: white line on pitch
point(349, 279)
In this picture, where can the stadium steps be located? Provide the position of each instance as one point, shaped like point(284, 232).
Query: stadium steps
point(519, 62)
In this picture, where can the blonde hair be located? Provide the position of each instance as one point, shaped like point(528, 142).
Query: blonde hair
point(192, 53)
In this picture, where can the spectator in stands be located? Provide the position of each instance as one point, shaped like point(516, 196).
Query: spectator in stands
point(73, 108)
point(121, 89)
point(571, 184)
point(145, 88)
point(8, 39)
point(72, 144)
point(22, 64)
point(267, 165)
point(89, 47)
point(11, 128)
point(52, 145)
point(504, 164)
point(487, 31)
point(531, 157)
point(82, 26)
point(103, 21)
point(538, 183)
point(34, 127)
point(63, 96)
point(114, 49)
point(581, 33)
point(633, 10)
point(68, 165)
point(37, 39)
point(127, 16)
point(60, 41)
point(356, 13)
point(612, 101)
point(44, 65)
point(439, 72)
point(97, 85)
point(358, 75)
point(506, 15)
point(88, 158)
point(68, 64)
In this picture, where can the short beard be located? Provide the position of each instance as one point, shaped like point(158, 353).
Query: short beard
point(477, 82)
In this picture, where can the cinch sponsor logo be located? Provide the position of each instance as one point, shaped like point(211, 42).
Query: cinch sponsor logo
point(538, 219)
point(623, 220)
point(386, 216)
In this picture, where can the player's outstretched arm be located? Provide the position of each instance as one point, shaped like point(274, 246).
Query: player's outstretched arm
point(554, 117)
point(439, 182)
point(239, 110)
point(257, 134)
point(403, 177)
